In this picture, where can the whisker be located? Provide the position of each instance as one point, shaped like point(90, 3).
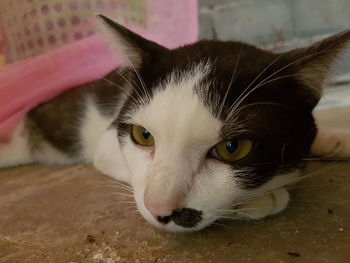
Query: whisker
point(266, 80)
point(256, 87)
point(143, 85)
point(126, 202)
point(233, 77)
point(247, 88)
point(130, 208)
point(115, 187)
point(121, 194)
point(116, 85)
point(240, 126)
point(331, 165)
point(232, 218)
point(135, 89)
point(115, 182)
point(221, 225)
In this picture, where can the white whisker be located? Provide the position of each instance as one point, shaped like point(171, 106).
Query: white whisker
point(233, 77)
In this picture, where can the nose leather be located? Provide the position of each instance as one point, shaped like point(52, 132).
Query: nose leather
point(161, 207)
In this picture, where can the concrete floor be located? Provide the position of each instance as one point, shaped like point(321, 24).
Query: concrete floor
point(75, 214)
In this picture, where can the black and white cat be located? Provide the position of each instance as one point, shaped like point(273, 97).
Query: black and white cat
point(196, 131)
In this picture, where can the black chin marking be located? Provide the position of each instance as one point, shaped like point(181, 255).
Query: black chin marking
point(164, 219)
point(187, 217)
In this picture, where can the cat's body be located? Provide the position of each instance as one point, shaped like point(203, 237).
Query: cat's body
point(190, 101)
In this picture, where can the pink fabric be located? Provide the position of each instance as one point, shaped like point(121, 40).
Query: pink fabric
point(27, 83)
point(173, 23)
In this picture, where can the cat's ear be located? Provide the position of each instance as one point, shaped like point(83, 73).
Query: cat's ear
point(313, 63)
point(136, 49)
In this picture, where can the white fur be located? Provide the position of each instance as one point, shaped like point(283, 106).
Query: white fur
point(49, 155)
point(16, 151)
point(94, 125)
point(109, 159)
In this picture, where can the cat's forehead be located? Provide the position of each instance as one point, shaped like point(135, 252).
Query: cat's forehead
point(176, 110)
point(206, 89)
point(228, 69)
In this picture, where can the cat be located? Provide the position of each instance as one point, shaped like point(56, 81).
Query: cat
point(199, 132)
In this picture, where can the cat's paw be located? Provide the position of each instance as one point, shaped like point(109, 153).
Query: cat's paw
point(266, 205)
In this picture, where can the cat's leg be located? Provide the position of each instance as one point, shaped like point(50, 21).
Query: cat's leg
point(333, 136)
point(266, 205)
point(332, 142)
point(109, 159)
point(16, 150)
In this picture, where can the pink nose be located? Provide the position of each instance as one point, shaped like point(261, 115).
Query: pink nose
point(161, 209)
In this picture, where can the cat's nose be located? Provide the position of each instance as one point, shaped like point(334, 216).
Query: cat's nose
point(161, 207)
point(161, 211)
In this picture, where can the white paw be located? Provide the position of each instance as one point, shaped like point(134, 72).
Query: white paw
point(266, 205)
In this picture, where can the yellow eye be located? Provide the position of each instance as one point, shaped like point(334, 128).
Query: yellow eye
point(141, 136)
point(232, 150)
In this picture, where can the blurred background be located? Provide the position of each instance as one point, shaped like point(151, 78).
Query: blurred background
point(272, 22)
point(281, 25)
point(32, 27)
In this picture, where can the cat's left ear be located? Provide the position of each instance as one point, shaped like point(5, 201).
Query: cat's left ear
point(313, 63)
point(137, 50)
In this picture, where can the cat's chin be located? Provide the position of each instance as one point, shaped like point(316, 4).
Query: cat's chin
point(172, 227)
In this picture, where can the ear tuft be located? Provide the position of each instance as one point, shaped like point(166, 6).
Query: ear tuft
point(135, 48)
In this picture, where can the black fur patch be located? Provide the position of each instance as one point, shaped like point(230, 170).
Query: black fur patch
point(187, 217)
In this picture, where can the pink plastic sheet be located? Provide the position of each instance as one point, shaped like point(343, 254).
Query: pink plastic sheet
point(26, 83)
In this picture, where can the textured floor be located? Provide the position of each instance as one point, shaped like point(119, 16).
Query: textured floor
point(75, 214)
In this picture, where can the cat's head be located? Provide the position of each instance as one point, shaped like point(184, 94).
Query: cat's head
point(211, 124)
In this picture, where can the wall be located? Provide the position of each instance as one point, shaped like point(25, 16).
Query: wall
point(270, 21)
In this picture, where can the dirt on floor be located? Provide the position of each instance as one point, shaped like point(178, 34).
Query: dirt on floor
point(75, 214)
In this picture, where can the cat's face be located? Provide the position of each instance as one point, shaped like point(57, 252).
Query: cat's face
point(212, 124)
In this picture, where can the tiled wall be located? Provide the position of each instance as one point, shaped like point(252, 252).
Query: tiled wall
point(269, 21)
point(280, 25)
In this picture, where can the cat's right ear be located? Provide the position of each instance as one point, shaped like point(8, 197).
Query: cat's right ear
point(136, 49)
point(312, 65)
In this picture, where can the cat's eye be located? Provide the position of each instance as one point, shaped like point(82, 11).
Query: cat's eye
point(141, 136)
point(232, 150)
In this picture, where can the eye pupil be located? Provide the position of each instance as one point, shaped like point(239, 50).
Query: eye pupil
point(146, 134)
point(141, 136)
point(232, 150)
point(231, 145)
